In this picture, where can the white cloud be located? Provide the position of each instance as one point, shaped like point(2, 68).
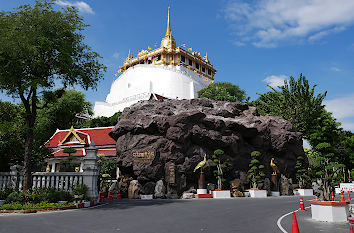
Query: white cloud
point(342, 109)
point(275, 81)
point(115, 55)
point(80, 5)
point(265, 23)
point(336, 69)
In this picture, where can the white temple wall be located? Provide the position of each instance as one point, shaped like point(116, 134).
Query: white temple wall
point(138, 82)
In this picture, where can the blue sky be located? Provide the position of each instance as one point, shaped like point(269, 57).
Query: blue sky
point(250, 43)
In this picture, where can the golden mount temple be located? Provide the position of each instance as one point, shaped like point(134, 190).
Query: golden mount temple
point(167, 72)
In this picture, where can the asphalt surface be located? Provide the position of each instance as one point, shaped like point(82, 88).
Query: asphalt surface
point(172, 216)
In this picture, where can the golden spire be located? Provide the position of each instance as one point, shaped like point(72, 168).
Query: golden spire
point(168, 41)
point(130, 56)
point(206, 57)
point(168, 29)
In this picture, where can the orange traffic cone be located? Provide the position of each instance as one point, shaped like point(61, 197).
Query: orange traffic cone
point(118, 196)
point(351, 229)
point(110, 196)
point(295, 227)
point(342, 196)
point(349, 198)
point(302, 206)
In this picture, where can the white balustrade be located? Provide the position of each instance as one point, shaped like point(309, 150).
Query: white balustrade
point(57, 180)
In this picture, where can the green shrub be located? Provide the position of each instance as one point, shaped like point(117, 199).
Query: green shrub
point(15, 197)
point(80, 189)
point(29, 206)
point(5, 193)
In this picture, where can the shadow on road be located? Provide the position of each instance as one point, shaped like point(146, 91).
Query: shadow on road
point(129, 203)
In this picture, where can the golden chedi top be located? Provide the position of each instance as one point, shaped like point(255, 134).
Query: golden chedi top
point(168, 41)
point(169, 54)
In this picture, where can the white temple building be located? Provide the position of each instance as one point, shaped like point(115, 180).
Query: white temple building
point(169, 71)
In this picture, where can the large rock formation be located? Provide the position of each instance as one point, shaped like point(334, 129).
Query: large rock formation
point(164, 140)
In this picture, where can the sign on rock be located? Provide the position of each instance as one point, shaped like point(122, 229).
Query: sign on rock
point(143, 157)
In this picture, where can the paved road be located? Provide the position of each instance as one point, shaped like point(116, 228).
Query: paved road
point(171, 216)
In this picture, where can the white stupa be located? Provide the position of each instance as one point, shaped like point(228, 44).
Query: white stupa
point(166, 72)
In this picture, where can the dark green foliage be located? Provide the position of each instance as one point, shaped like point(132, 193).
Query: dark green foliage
point(69, 150)
point(5, 193)
point(219, 161)
point(15, 197)
point(106, 167)
point(302, 173)
point(327, 168)
point(296, 101)
point(223, 91)
point(102, 121)
point(256, 171)
point(31, 206)
point(11, 135)
point(79, 189)
point(60, 110)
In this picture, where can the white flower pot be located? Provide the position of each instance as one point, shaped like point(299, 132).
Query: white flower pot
point(146, 197)
point(221, 194)
point(258, 193)
point(329, 211)
point(305, 192)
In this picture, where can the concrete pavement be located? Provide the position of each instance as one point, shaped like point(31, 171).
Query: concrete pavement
point(172, 216)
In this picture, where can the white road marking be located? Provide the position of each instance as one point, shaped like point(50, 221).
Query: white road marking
point(281, 218)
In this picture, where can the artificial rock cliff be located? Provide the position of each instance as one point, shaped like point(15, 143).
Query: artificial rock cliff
point(166, 139)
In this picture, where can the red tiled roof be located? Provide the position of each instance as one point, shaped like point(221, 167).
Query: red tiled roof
point(98, 135)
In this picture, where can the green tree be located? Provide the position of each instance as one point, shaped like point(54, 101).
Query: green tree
point(219, 163)
point(256, 171)
point(59, 111)
point(223, 91)
point(102, 121)
point(327, 169)
point(302, 173)
point(296, 102)
point(40, 47)
point(11, 134)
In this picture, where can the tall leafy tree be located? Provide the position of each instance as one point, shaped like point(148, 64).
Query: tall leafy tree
point(39, 47)
point(223, 91)
point(60, 111)
point(296, 101)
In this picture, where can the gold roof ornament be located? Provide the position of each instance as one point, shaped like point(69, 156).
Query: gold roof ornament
point(130, 56)
point(168, 41)
point(206, 57)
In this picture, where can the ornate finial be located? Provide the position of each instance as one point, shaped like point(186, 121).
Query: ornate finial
point(206, 57)
point(168, 30)
point(168, 41)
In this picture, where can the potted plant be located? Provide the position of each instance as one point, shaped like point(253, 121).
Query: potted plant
point(220, 163)
point(79, 191)
point(303, 178)
point(329, 172)
point(256, 175)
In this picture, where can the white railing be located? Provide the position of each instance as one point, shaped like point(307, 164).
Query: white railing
point(57, 180)
point(11, 180)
